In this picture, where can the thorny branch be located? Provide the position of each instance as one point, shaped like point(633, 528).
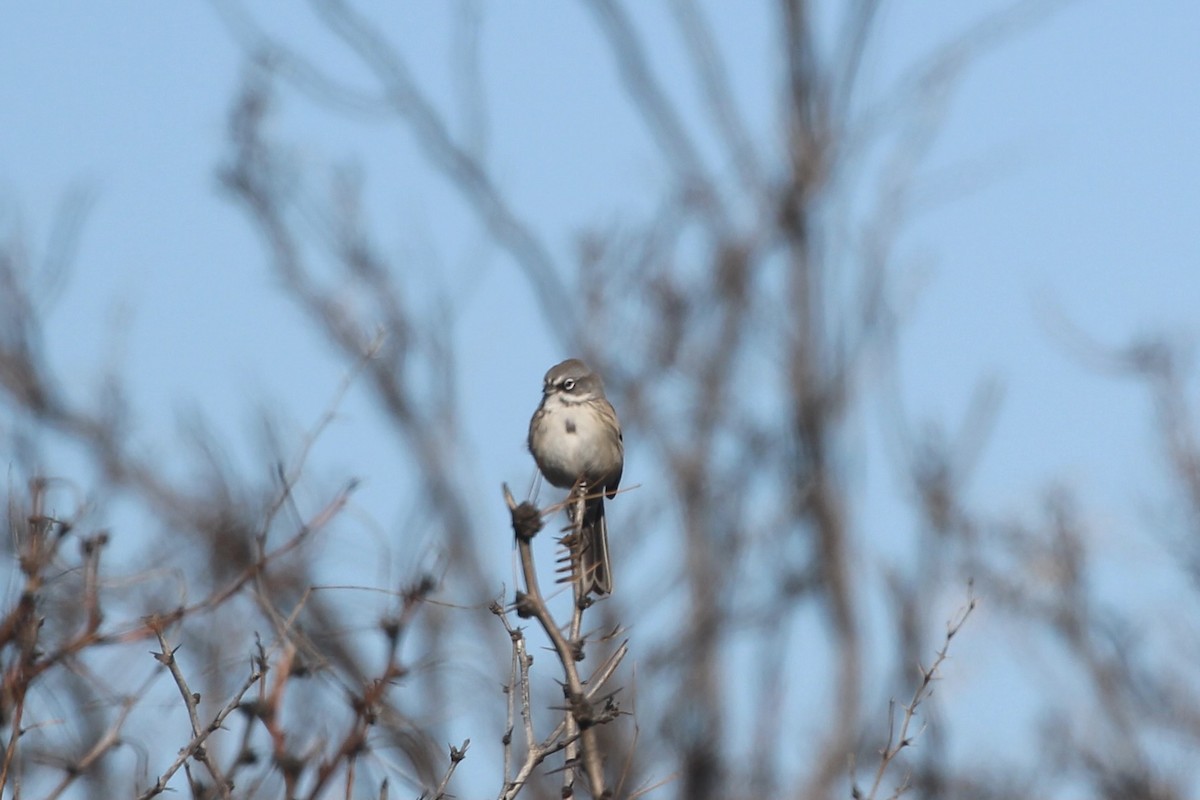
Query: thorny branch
point(166, 657)
point(578, 725)
point(200, 734)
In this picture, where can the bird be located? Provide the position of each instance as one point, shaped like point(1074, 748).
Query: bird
point(575, 438)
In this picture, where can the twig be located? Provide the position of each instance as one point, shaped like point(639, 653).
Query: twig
point(924, 689)
point(606, 670)
point(166, 656)
point(457, 754)
point(556, 741)
point(518, 683)
point(201, 736)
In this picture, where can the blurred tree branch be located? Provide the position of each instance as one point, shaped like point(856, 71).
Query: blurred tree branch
point(742, 324)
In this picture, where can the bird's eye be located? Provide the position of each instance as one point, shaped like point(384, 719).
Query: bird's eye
point(568, 384)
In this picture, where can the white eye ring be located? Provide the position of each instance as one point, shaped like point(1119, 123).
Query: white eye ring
point(568, 384)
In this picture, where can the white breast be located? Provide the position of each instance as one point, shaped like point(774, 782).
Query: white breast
point(565, 456)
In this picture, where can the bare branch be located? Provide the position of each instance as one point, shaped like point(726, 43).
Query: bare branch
point(899, 740)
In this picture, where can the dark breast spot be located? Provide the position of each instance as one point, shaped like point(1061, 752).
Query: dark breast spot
point(570, 425)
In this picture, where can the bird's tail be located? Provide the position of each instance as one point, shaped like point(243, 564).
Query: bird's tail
point(595, 571)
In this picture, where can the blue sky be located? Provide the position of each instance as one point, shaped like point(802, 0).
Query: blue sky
point(1084, 128)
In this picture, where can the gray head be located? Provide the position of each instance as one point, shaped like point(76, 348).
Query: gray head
point(574, 381)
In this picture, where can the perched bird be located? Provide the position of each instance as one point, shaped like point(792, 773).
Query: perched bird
point(575, 438)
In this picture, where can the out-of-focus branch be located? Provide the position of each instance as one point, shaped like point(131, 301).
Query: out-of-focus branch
point(252, 177)
point(858, 24)
point(817, 381)
point(107, 742)
point(456, 163)
point(920, 84)
point(21, 627)
point(1162, 369)
point(656, 108)
point(714, 78)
